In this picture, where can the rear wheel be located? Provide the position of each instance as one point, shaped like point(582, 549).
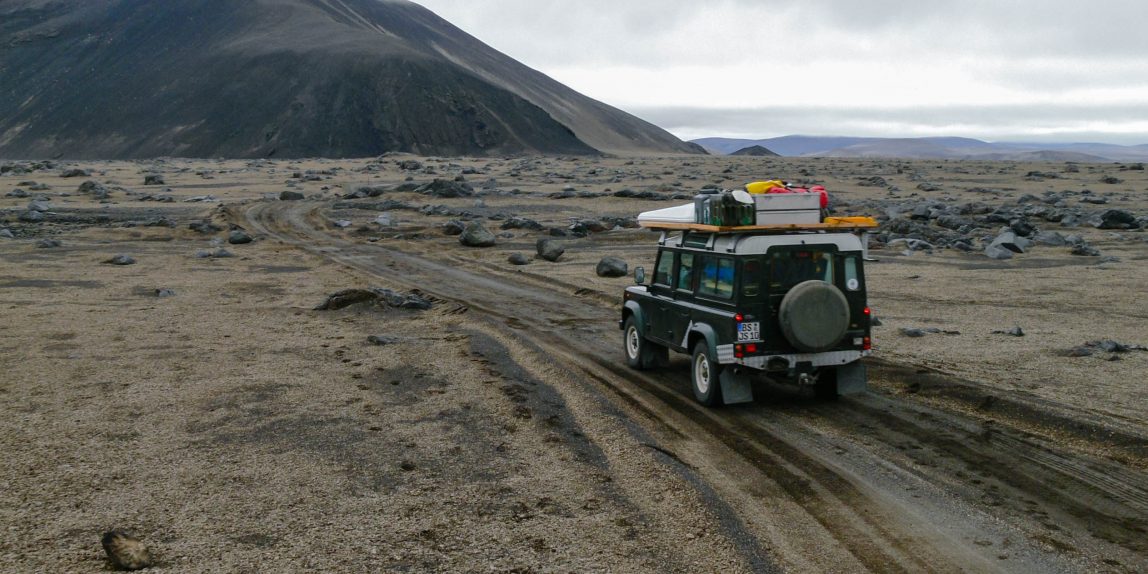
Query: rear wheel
point(640, 353)
point(705, 375)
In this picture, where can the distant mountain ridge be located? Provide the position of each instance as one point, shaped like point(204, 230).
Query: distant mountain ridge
point(930, 148)
point(119, 79)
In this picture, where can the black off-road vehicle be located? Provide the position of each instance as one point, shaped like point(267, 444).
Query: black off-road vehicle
point(744, 304)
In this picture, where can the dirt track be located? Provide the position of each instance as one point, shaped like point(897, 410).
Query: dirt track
point(874, 482)
point(239, 430)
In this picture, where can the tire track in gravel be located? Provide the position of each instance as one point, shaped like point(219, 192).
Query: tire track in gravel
point(825, 460)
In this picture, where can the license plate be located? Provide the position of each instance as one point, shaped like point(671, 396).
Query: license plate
point(749, 331)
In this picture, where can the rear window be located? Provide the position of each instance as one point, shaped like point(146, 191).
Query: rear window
point(790, 267)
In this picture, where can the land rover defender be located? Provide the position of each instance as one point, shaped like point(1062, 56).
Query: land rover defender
point(790, 306)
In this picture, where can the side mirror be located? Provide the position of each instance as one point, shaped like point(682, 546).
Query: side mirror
point(639, 275)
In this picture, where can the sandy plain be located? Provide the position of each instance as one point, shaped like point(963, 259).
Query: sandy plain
point(237, 429)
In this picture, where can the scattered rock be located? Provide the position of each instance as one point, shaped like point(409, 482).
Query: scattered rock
point(291, 196)
point(239, 237)
point(445, 188)
point(409, 165)
point(164, 293)
point(31, 216)
point(521, 223)
point(205, 227)
point(475, 235)
point(1050, 238)
point(612, 267)
point(1102, 346)
point(1085, 250)
point(17, 193)
point(48, 243)
point(453, 227)
point(154, 179)
point(382, 340)
point(921, 332)
point(220, 253)
point(121, 259)
point(7, 234)
point(126, 551)
point(373, 296)
point(518, 259)
point(75, 173)
point(549, 249)
point(1110, 180)
point(94, 189)
point(1014, 332)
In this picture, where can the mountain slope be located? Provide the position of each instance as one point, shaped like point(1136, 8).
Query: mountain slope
point(287, 78)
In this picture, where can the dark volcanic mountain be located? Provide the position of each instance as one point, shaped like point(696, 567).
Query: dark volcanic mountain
point(285, 78)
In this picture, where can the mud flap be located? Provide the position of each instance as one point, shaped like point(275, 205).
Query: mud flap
point(852, 379)
point(735, 388)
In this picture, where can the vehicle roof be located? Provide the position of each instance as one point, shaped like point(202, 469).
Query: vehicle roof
point(756, 244)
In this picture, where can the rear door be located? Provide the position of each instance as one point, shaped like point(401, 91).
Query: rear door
point(685, 280)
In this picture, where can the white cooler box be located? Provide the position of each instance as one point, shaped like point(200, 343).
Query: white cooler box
point(786, 208)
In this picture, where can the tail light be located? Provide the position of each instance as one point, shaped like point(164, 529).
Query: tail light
point(867, 344)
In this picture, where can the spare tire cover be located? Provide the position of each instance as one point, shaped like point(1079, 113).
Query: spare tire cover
point(814, 316)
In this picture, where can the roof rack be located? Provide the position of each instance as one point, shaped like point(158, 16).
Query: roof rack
point(830, 224)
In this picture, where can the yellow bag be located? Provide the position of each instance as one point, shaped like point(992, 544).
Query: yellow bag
point(763, 186)
point(851, 221)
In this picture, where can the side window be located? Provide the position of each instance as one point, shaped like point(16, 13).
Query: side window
point(665, 268)
point(685, 272)
point(717, 277)
point(852, 279)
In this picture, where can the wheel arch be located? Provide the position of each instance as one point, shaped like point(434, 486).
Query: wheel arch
point(702, 332)
point(633, 309)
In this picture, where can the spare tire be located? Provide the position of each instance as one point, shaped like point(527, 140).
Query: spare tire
point(814, 316)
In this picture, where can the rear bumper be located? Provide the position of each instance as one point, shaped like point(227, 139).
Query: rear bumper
point(828, 359)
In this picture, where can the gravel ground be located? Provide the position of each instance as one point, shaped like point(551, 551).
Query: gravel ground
point(236, 429)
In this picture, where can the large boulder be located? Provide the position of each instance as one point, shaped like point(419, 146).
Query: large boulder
point(1114, 219)
point(475, 235)
point(239, 237)
point(612, 267)
point(291, 196)
point(994, 251)
point(549, 249)
point(1011, 241)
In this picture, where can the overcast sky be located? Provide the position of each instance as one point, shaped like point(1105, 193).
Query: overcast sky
point(1049, 70)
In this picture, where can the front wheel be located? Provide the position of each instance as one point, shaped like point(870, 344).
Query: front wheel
point(706, 376)
point(640, 353)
